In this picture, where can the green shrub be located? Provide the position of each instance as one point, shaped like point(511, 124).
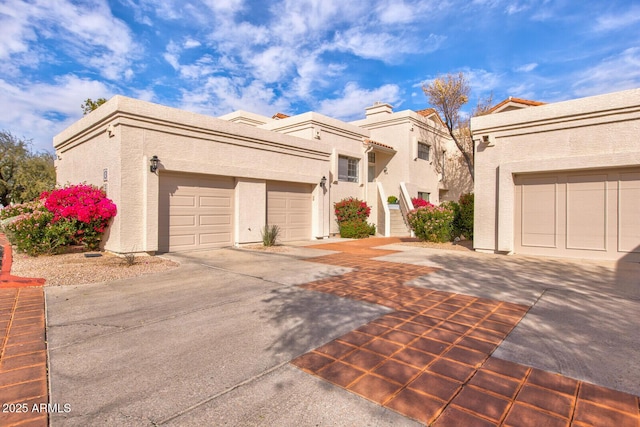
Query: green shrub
point(76, 214)
point(392, 200)
point(464, 219)
point(351, 209)
point(270, 235)
point(432, 223)
point(351, 215)
point(357, 229)
point(35, 234)
point(19, 209)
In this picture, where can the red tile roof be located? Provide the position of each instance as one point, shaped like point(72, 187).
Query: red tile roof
point(279, 116)
point(525, 102)
point(378, 144)
point(428, 112)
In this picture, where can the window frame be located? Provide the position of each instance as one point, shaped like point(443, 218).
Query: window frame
point(352, 173)
point(426, 149)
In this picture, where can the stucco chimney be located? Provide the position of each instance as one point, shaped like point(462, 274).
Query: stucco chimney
point(378, 108)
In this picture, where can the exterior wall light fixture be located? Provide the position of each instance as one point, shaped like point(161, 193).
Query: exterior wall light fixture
point(154, 163)
point(323, 182)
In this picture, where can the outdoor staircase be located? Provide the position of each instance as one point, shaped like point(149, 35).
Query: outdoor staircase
point(398, 227)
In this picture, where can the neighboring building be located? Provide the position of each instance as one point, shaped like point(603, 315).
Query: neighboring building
point(220, 180)
point(560, 179)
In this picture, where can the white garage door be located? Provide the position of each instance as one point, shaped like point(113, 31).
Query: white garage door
point(592, 214)
point(289, 207)
point(196, 212)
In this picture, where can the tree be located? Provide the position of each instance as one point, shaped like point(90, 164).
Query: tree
point(23, 174)
point(89, 105)
point(36, 174)
point(447, 94)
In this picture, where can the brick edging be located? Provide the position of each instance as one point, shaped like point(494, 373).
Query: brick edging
point(6, 279)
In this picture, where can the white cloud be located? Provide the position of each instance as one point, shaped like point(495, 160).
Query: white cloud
point(615, 73)
point(191, 43)
point(527, 67)
point(384, 46)
point(85, 32)
point(354, 100)
point(39, 111)
point(221, 95)
point(618, 21)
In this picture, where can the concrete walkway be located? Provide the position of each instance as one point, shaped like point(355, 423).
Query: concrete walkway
point(431, 358)
point(231, 336)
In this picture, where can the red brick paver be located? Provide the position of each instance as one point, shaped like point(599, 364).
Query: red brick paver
point(431, 359)
point(23, 356)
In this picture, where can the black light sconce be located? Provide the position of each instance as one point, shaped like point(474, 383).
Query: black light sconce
point(323, 182)
point(154, 163)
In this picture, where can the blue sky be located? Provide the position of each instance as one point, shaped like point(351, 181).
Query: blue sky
point(331, 56)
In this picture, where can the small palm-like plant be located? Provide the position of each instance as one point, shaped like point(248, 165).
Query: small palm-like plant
point(270, 235)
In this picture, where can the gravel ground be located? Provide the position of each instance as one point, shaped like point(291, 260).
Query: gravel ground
point(76, 269)
point(463, 245)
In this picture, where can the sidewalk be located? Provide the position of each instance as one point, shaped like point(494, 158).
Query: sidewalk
point(23, 357)
point(431, 358)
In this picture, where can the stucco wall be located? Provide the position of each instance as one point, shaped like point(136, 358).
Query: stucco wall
point(187, 143)
point(587, 133)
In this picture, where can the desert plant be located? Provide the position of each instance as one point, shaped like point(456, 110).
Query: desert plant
point(270, 235)
point(129, 259)
point(432, 223)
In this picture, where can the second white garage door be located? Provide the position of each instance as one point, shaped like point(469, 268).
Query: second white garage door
point(289, 207)
point(196, 212)
point(591, 214)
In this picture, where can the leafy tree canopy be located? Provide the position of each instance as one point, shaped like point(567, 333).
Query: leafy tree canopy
point(23, 173)
point(89, 105)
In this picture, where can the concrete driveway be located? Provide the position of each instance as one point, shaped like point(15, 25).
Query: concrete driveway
point(209, 343)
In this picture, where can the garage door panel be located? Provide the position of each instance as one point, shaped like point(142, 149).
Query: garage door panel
point(629, 212)
point(224, 220)
point(289, 207)
point(183, 201)
point(183, 220)
point(214, 238)
point(300, 204)
point(214, 201)
point(597, 214)
point(276, 203)
point(196, 212)
point(539, 212)
point(587, 212)
point(182, 240)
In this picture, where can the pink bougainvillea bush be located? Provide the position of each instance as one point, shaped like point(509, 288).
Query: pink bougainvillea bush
point(351, 215)
point(419, 203)
point(431, 223)
point(72, 215)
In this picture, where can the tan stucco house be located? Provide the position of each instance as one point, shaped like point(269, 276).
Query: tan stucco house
point(560, 179)
point(220, 180)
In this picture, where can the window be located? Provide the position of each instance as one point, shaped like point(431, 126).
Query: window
point(423, 151)
point(347, 169)
point(371, 170)
point(424, 196)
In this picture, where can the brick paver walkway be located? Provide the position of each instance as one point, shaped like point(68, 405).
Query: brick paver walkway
point(23, 356)
point(430, 359)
